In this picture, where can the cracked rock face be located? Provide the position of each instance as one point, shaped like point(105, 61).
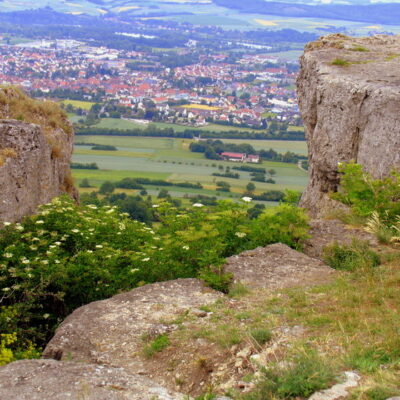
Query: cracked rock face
point(351, 111)
point(35, 173)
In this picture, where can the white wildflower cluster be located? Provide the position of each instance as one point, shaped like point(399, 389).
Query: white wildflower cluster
point(240, 234)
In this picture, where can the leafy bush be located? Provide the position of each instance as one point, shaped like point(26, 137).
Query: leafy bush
point(366, 195)
point(69, 255)
point(285, 224)
point(358, 255)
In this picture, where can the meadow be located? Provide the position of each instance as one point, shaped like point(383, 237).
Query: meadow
point(170, 159)
point(115, 123)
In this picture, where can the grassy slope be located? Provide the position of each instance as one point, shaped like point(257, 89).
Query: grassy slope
point(352, 322)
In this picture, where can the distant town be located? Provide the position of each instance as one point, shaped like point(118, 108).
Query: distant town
point(249, 90)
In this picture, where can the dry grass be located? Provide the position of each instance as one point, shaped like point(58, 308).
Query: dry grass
point(15, 104)
point(6, 153)
point(353, 322)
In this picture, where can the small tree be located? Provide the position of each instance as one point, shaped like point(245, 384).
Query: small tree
point(106, 188)
point(85, 183)
point(250, 187)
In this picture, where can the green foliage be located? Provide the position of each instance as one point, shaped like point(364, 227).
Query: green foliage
point(369, 359)
point(302, 375)
point(216, 278)
point(286, 224)
point(357, 256)
point(69, 255)
point(155, 346)
point(292, 197)
point(366, 195)
point(107, 188)
point(85, 183)
point(381, 392)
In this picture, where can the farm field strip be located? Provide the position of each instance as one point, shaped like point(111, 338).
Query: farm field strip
point(170, 159)
point(115, 123)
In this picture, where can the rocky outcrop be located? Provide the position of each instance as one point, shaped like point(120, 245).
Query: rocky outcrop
point(277, 266)
point(49, 379)
point(111, 331)
point(34, 167)
point(349, 97)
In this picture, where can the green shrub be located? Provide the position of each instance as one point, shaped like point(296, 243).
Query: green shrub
point(301, 376)
point(352, 257)
point(216, 278)
point(286, 224)
point(366, 195)
point(155, 346)
point(69, 255)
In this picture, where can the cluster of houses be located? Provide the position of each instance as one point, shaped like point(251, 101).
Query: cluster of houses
point(72, 65)
point(240, 157)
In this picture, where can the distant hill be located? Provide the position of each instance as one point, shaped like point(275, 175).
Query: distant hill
point(383, 13)
point(357, 11)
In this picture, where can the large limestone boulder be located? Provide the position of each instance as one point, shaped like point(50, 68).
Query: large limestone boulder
point(277, 266)
point(111, 331)
point(34, 170)
point(349, 97)
point(56, 380)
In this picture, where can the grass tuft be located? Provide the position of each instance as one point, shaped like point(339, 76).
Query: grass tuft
point(261, 336)
point(340, 62)
point(155, 346)
point(304, 374)
point(357, 256)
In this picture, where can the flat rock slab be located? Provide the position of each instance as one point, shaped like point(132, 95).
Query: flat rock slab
point(277, 266)
point(58, 380)
point(111, 331)
point(327, 231)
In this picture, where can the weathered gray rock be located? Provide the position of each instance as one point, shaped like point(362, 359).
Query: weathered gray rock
point(111, 331)
point(37, 172)
point(350, 112)
point(57, 380)
point(277, 266)
point(340, 390)
point(327, 231)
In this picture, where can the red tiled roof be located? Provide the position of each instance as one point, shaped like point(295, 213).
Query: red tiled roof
point(232, 155)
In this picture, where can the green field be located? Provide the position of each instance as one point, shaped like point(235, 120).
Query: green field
point(115, 123)
point(281, 146)
point(170, 159)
